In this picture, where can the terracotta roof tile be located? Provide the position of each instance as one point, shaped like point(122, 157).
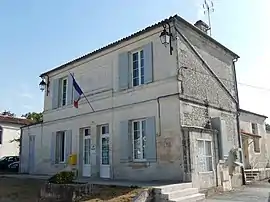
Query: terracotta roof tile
point(14, 120)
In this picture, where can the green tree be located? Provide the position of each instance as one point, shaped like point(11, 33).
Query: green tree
point(34, 116)
point(267, 126)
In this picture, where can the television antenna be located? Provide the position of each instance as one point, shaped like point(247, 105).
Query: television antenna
point(208, 7)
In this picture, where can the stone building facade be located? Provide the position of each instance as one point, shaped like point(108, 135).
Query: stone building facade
point(171, 107)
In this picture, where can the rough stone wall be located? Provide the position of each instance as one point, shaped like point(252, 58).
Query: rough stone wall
point(198, 83)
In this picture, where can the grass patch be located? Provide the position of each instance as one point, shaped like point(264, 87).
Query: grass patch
point(26, 190)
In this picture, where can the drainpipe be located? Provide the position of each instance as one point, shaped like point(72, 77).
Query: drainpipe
point(238, 124)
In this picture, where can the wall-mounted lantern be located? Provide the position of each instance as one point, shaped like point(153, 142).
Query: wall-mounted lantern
point(166, 36)
point(44, 85)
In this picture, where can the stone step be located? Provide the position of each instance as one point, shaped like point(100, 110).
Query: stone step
point(172, 188)
point(252, 174)
point(192, 198)
point(179, 193)
point(252, 171)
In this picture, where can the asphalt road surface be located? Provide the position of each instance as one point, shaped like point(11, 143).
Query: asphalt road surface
point(259, 192)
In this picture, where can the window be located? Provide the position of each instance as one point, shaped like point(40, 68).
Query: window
point(60, 147)
point(63, 90)
point(139, 138)
point(138, 68)
point(205, 157)
point(105, 145)
point(254, 128)
point(1, 135)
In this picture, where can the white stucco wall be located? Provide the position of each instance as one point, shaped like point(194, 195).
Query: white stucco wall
point(98, 76)
point(10, 132)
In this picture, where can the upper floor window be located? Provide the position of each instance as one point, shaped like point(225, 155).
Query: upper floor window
point(1, 135)
point(138, 68)
point(254, 128)
point(63, 91)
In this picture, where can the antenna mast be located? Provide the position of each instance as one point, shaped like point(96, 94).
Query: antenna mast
point(208, 7)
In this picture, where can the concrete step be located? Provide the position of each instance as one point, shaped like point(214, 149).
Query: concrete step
point(172, 188)
point(251, 174)
point(252, 171)
point(192, 198)
point(179, 193)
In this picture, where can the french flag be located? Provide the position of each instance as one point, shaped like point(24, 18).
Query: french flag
point(77, 92)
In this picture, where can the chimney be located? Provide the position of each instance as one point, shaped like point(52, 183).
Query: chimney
point(202, 26)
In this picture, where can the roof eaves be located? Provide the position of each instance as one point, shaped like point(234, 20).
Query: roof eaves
point(145, 30)
point(206, 36)
point(249, 112)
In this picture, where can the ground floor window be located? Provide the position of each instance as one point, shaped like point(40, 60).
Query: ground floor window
point(139, 139)
point(205, 157)
point(60, 146)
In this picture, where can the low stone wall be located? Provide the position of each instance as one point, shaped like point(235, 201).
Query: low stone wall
point(65, 192)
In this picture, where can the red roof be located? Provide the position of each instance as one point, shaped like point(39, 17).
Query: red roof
point(14, 120)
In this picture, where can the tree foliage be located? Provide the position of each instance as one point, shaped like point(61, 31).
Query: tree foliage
point(34, 116)
point(267, 126)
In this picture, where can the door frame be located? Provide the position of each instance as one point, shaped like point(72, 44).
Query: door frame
point(31, 153)
point(101, 166)
point(83, 150)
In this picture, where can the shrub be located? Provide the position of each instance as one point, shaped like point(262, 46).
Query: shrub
point(64, 177)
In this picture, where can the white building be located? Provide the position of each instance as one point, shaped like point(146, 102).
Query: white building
point(151, 109)
point(10, 130)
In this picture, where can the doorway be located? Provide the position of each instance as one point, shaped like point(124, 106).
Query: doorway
point(31, 162)
point(105, 152)
point(245, 152)
point(86, 171)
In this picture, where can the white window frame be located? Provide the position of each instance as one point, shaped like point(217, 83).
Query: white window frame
point(65, 145)
point(206, 156)
point(139, 67)
point(141, 141)
point(62, 91)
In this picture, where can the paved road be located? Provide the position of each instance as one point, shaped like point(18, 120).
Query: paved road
point(259, 192)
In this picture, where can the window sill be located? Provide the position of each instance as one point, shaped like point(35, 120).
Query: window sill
point(139, 164)
point(206, 172)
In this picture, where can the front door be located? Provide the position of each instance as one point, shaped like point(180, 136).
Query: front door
point(105, 152)
point(86, 153)
point(31, 162)
point(245, 152)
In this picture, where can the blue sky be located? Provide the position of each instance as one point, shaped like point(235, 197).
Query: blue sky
point(40, 35)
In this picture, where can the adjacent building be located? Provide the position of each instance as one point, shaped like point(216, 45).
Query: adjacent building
point(255, 140)
point(158, 112)
point(10, 130)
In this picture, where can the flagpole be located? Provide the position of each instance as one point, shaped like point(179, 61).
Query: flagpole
point(88, 102)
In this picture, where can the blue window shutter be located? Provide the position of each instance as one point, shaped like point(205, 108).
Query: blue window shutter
point(55, 93)
point(125, 142)
point(53, 144)
point(68, 143)
point(70, 90)
point(150, 147)
point(123, 70)
point(148, 63)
